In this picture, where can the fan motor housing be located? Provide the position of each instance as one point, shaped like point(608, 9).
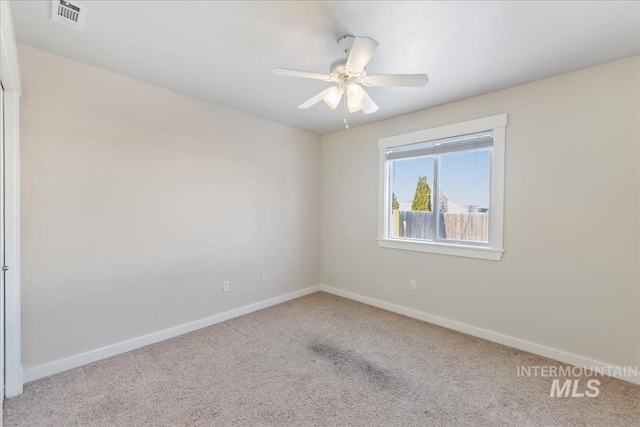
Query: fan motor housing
point(338, 67)
point(338, 71)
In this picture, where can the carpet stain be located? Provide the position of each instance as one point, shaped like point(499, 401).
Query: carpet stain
point(355, 365)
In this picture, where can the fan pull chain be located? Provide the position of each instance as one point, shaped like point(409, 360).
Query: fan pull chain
point(346, 111)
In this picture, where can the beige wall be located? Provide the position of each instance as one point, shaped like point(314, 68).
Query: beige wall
point(137, 202)
point(569, 276)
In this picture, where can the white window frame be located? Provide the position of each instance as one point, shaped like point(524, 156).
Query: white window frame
point(497, 126)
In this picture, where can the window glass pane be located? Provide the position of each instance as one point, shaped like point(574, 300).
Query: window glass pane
point(411, 185)
point(464, 182)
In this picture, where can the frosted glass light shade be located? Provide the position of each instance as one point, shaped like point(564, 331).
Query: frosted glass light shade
point(333, 97)
point(354, 106)
point(354, 92)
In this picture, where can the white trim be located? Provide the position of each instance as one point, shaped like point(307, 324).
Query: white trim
point(479, 252)
point(13, 371)
point(497, 125)
point(456, 129)
point(65, 364)
point(383, 191)
point(497, 188)
point(527, 346)
point(10, 76)
point(122, 347)
point(9, 69)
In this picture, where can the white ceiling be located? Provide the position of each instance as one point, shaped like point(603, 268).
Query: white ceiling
point(224, 51)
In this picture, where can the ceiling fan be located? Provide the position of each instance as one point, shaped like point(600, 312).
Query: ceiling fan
point(349, 75)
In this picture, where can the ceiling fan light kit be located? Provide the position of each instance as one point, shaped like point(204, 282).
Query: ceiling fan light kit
point(333, 97)
point(350, 75)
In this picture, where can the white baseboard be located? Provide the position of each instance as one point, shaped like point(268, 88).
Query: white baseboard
point(530, 347)
point(62, 365)
point(65, 364)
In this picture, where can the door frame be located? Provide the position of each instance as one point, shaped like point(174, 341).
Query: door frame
point(10, 76)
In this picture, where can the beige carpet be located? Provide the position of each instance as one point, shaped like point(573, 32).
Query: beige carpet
point(317, 360)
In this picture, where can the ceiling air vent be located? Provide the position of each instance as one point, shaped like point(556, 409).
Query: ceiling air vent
point(68, 13)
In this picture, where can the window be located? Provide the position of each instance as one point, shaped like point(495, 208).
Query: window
point(442, 189)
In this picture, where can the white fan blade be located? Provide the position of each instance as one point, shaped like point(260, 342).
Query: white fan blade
point(298, 73)
point(369, 106)
point(406, 80)
point(315, 99)
point(361, 52)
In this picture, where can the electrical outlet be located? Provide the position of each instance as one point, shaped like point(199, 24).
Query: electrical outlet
point(225, 286)
point(264, 278)
point(412, 285)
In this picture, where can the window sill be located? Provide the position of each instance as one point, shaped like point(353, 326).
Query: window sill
point(443, 249)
